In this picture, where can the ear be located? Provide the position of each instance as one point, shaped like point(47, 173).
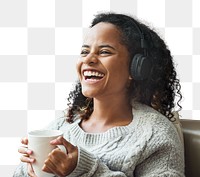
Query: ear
point(129, 81)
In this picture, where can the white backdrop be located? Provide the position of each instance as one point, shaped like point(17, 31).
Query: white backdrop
point(40, 42)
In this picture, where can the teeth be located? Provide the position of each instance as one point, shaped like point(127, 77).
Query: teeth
point(93, 73)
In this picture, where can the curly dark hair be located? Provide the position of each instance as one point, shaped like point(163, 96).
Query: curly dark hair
point(158, 90)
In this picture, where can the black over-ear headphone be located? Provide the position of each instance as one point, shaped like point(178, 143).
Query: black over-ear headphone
point(141, 64)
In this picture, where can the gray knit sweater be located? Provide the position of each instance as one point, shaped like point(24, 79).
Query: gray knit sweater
point(148, 147)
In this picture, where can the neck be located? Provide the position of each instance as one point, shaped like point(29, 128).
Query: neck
point(112, 110)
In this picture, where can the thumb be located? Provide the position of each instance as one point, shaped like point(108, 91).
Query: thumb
point(57, 141)
point(61, 141)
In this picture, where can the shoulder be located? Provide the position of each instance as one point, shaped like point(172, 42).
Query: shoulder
point(57, 123)
point(61, 123)
point(150, 117)
point(154, 123)
point(162, 145)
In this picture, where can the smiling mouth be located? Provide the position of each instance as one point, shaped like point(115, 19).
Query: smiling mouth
point(93, 75)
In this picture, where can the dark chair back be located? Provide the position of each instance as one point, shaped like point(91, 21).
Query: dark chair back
point(191, 134)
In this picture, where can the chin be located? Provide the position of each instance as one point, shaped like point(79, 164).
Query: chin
point(89, 93)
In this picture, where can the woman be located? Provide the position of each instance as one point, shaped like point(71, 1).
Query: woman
point(119, 119)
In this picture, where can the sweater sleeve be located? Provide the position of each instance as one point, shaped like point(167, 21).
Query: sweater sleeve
point(91, 166)
point(88, 166)
point(21, 170)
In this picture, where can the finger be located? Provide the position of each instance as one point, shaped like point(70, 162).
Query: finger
point(61, 141)
point(46, 169)
point(69, 147)
point(25, 150)
point(31, 172)
point(24, 140)
point(49, 166)
point(56, 155)
point(57, 141)
point(27, 159)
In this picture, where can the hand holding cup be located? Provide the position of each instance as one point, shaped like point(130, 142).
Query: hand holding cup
point(39, 144)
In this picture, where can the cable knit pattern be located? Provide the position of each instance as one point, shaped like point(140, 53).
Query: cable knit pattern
point(148, 147)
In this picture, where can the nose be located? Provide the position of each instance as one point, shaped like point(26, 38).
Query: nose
point(91, 58)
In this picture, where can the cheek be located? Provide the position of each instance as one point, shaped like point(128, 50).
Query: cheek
point(119, 70)
point(118, 77)
point(78, 66)
point(121, 74)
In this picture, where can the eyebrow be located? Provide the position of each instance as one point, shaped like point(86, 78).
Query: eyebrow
point(101, 46)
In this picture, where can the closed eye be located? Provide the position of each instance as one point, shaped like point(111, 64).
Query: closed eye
point(84, 53)
point(105, 52)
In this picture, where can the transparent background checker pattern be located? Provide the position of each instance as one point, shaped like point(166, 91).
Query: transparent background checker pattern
point(40, 42)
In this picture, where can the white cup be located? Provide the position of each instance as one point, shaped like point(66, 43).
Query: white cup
point(39, 143)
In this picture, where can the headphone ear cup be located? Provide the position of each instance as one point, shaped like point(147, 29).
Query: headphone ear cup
point(140, 67)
